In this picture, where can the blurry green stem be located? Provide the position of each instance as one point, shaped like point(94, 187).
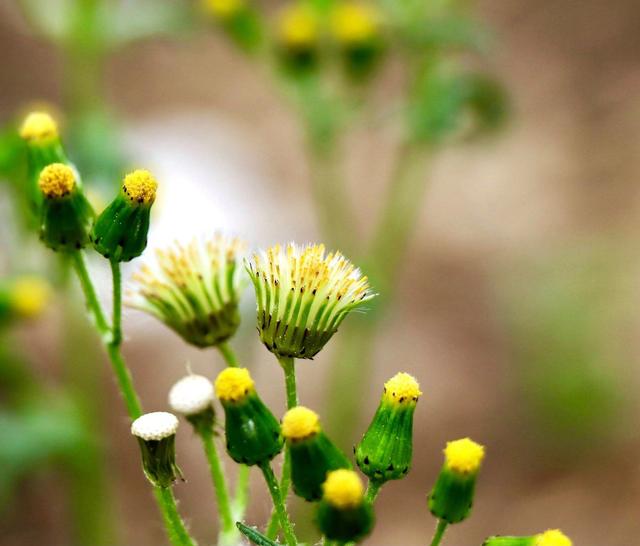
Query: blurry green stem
point(178, 534)
point(229, 534)
point(228, 354)
point(278, 504)
point(117, 303)
point(354, 357)
point(439, 533)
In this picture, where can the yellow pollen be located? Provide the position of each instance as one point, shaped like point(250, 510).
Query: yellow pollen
point(223, 9)
point(300, 423)
point(233, 384)
point(553, 537)
point(39, 127)
point(298, 27)
point(353, 23)
point(463, 456)
point(402, 388)
point(57, 180)
point(29, 296)
point(343, 489)
point(140, 186)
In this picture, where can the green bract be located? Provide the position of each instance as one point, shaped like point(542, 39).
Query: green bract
point(120, 232)
point(65, 214)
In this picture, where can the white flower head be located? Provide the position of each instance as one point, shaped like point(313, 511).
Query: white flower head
point(303, 295)
point(155, 426)
point(194, 289)
point(191, 395)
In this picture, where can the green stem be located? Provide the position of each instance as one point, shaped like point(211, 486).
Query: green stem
point(241, 495)
point(117, 302)
point(178, 534)
point(278, 504)
point(439, 533)
point(229, 355)
point(372, 490)
point(166, 502)
point(288, 365)
point(228, 530)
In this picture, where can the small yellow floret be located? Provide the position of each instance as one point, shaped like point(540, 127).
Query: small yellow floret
point(233, 384)
point(299, 423)
point(463, 456)
point(298, 27)
point(140, 186)
point(29, 296)
point(402, 388)
point(223, 9)
point(343, 489)
point(553, 537)
point(353, 23)
point(39, 127)
point(57, 180)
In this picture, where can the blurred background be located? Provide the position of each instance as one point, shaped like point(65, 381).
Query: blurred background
point(514, 301)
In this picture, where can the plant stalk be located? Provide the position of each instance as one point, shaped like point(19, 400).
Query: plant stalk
point(278, 504)
point(178, 534)
point(441, 527)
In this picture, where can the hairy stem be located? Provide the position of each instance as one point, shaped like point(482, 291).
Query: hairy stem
point(178, 534)
point(227, 526)
point(117, 302)
point(278, 504)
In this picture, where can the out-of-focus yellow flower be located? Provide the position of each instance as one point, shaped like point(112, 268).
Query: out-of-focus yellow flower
point(353, 23)
point(29, 295)
point(223, 9)
point(298, 27)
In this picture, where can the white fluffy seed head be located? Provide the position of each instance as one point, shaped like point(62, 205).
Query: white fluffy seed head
point(191, 395)
point(155, 426)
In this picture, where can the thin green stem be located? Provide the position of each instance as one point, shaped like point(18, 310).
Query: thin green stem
point(439, 533)
point(178, 534)
point(288, 365)
point(372, 490)
point(117, 302)
point(241, 495)
point(229, 355)
point(228, 529)
point(278, 504)
point(93, 304)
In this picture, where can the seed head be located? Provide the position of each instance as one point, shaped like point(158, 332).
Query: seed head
point(191, 395)
point(155, 426)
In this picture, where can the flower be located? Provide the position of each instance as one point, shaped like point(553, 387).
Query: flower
point(313, 454)
point(191, 395)
point(194, 289)
point(303, 295)
point(156, 434)
point(298, 38)
point(354, 24)
point(452, 496)
point(65, 216)
point(552, 537)
point(29, 295)
point(386, 449)
point(120, 232)
point(344, 514)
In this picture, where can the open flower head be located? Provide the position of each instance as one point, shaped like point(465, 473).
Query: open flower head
point(194, 289)
point(303, 295)
point(354, 24)
point(298, 27)
point(223, 9)
point(39, 127)
point(463, 456)
point(553, 537)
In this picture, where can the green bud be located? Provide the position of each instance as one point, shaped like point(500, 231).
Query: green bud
point(344, 514)
point(313, 454)
point(65, 215)
point(386, 449)
point(120, 232)
point(156, 434)
point(40, 132)
point(252, 432)
point(452, 496)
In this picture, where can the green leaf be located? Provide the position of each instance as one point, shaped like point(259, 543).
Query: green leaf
point(254, 535)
